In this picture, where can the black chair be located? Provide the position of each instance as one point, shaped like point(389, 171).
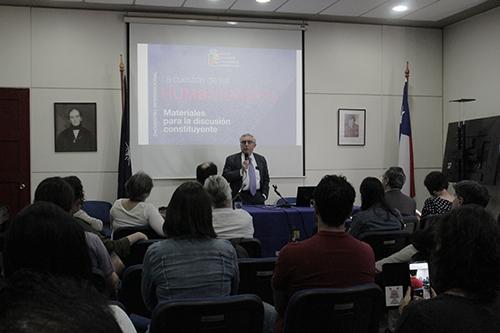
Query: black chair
point(385, 243)
point(240, 313)
point(99, 210)
point(146, 229)
point(137, 252)
point(255, 277)
point(130, 292)
point(355, 309)
point(429, 220)
point(411, 223)
point(251, 245)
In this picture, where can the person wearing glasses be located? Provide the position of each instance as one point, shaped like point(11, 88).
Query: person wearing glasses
point(247, 173)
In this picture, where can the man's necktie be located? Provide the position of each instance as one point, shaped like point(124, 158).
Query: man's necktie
point(251, 178)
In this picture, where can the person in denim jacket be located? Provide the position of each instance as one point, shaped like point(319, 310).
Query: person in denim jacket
point(191, 262)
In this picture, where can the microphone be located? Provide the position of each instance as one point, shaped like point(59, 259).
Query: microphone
point(246, 156)
point(286, 204)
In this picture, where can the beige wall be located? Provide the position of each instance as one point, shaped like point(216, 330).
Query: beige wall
point(73, 55)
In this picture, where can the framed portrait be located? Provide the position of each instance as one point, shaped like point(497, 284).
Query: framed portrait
point(351, 127)
point(75, 127)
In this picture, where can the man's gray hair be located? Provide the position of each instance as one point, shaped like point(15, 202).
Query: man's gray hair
point(218, 189)
point(249, 134)
point(395, 177)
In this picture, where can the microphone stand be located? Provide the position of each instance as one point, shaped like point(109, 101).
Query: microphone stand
point(286, 204)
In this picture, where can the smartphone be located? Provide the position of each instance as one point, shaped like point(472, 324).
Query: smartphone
point(395, 279)
point(420, 280)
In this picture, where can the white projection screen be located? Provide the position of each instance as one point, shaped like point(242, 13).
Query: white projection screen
point(195, 89)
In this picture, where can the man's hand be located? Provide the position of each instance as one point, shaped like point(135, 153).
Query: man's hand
point(245, 166)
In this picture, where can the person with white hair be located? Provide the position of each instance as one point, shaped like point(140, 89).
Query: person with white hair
point(228, 223)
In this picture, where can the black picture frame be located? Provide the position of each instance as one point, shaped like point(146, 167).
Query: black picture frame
point(351, 129)
point(71, 138)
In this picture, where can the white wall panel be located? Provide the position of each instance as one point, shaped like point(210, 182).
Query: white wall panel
point(422, 48)
point(471, 58)
point(77, 49)
point(15, 44)
point(343, 58)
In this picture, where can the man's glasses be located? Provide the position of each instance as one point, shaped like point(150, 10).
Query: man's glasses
point(245, 142)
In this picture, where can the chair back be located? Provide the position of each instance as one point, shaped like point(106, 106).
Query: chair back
point(429, 220)
point(255, 277)
point(130, 292)
point(145, 229)
point(240, 313)
point(99, 210)
point(252, 246)
point(385, 243)
point(411, 223)
point(356, 309)
point(137, 252)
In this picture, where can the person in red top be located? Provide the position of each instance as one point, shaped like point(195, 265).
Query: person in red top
point(330, 259)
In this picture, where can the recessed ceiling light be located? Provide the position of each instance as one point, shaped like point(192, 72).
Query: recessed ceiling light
point(400, 8)
point(232, 22)
point(263, 1)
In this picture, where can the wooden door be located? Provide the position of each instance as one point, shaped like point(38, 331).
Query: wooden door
point(14, 149)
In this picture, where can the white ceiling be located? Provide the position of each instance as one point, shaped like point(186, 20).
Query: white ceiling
point(420, 12)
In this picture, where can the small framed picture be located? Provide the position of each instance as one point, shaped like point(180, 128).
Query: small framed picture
point(351, 127)
point(75, 127)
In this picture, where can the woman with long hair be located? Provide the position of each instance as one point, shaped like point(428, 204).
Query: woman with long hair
point(375, 214)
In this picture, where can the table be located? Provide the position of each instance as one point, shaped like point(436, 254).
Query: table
point(276, 226)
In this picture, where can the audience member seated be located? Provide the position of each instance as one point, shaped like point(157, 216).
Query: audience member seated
point(467, 192)
point(205, 170)
point(465, 273)
point(191, 262)
point(43, 238)
point(117, 249)
point(375, 214)
point(393, 180)
point(470, 192)
point(331, 258)
point(44, 303)
point(133, 211)
point(228, 223)
point(55, 190)
point(440, 200)
point(76, 183)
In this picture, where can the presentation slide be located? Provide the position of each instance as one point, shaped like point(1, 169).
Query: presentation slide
point(211, 95)
point(196, 90)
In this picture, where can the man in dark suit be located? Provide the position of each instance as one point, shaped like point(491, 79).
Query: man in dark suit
point(393, 180)
point(247, 173)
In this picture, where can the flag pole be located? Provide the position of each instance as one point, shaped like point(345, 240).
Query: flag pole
point(405, 158)
point(122, 81)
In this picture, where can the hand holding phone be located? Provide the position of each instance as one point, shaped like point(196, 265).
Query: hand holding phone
point(420, 280)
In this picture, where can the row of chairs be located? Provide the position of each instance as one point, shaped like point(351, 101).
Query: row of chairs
point(355, 309)
point(255, 278)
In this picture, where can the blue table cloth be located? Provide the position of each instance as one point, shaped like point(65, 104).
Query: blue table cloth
point(276, 226)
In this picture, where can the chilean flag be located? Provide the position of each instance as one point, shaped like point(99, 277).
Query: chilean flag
point(406, 145)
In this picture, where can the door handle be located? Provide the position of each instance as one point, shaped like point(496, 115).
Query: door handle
point(22, 186)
